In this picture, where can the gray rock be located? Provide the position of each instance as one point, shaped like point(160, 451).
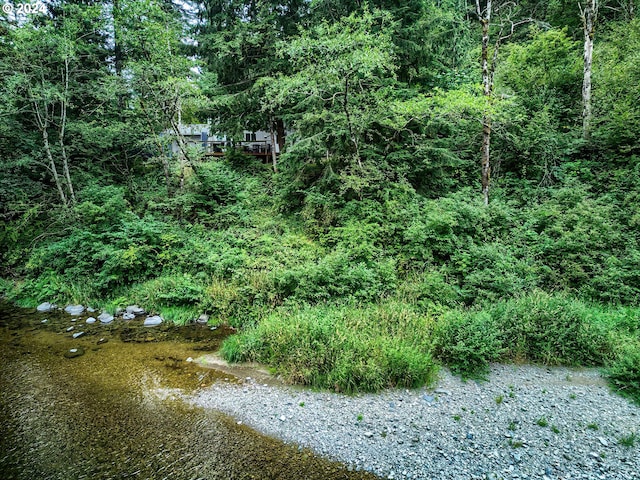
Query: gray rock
point(128, 316)
point(135, 310)
point(70, 328)
point(46, 307)
point(45, 320)
point(91, 310)
point(368, 434)
point(202, 319)
point(91, 320)
point(74, 352)
point(603, 441)
point(428, 398)
point(74, 310)
point(101, 341)
point(105, 318)
point(78, 334)
point(152, 321)
point(442, 391)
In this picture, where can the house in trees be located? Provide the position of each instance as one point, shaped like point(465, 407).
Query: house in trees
point(261, 144)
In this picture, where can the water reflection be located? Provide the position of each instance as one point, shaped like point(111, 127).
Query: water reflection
point(115, 412)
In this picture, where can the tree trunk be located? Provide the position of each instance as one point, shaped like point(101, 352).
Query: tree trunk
point(486, 166)
point(484, 16)
point(589, 17)
point(63, 125)
point(52, 163)
point(281, 134)
point(274, 157)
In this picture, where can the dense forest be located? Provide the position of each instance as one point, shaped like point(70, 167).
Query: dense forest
point(459, 180)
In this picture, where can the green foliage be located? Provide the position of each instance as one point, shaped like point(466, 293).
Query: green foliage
point(552, 329)
point(467, 342)
point(629, 440)
point(624, 371)
point(343, 348)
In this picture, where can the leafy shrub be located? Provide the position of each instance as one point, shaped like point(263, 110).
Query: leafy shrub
point(491, 272)
point(552, 329)
point(335, 276)
point(467, 341)
point(624, 371)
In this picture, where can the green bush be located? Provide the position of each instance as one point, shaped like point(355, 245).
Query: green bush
point(467, 342)
point(552, 329)
point(624, 371)
point(346, 348)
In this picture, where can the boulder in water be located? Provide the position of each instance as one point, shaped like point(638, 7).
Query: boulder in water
point(105, 318)
point(74, 310)
point(46, 307)
point(153, 321)
point(135, 310)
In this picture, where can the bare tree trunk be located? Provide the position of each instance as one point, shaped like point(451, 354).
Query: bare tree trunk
point(52, 163)
point(42, 122)
point(589, 17)
point(487, 82)
point(63, 124)
point(274, 157)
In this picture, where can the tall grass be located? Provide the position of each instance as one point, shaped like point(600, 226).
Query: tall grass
point(344, 348)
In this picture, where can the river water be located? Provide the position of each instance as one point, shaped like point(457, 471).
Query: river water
point(116, 412)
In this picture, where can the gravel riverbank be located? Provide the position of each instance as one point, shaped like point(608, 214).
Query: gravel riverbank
point(524, 422)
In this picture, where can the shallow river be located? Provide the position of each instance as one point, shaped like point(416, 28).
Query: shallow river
point(115, 412)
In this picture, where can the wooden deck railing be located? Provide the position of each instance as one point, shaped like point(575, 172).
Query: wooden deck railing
point(218, 148)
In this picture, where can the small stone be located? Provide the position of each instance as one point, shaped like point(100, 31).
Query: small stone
point(189, 359)
point(603, 441)
point(91, 310)
point(469, 436)
point(78, 334)
point(101, 341)
point(442, 391)
point(152, 321)
point(44, 320)
point(91, 320)
point(283, 418)
point(415, 440)
point(105, 317)
point(428, 398)
point(74, 309)
point(74, 352)
point(203, 319)
point(368, 434)
point(74, 320)
point(46, 307)
point(128, 316)
point(70, 328)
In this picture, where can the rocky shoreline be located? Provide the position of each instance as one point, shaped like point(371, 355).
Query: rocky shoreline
point(524, 422)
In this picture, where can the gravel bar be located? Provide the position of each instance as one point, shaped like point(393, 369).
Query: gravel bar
point(523, 422)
